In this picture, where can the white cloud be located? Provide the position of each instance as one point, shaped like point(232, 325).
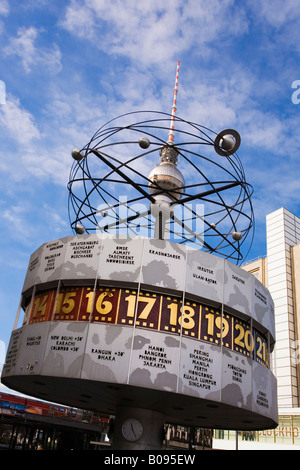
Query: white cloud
point(153, 32)
point(4, 11)
point(43, 152)
point(79, 20)
point(25, 47)
point(264, 130)
point(276, 12)
point(15, 217)
point(4, 7)
point(19, 122)
point(280, 21)
point(17, 220)
point(54, 219)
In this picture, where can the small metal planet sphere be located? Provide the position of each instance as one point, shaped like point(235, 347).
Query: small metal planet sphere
point(227, 142)
point(77, 155)
point(79, 228)
point(144, 142)
point(237, 235)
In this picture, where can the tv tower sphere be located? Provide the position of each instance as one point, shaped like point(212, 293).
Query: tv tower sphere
point(165, 176)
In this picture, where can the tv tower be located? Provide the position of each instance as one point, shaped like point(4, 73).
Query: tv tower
point(166, 180)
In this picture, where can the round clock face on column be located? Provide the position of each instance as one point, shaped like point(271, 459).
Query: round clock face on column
point(132, 429)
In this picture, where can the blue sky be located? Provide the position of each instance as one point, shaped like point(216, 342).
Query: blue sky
point(69, 67)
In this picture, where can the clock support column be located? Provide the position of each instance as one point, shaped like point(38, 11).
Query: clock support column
point(138, 429)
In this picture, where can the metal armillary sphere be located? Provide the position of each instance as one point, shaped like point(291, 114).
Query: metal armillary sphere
point(128, 180)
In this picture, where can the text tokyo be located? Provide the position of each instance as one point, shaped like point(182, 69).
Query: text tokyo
point(175, 222)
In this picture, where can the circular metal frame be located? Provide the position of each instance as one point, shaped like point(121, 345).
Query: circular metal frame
point(109, 187)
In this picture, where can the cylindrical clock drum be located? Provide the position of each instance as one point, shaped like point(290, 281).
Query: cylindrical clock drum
point(145, 327)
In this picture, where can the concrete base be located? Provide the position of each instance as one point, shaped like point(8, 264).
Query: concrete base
point(152, 426)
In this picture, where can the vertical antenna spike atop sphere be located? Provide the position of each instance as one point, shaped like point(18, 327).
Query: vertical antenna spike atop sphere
point(171, 132)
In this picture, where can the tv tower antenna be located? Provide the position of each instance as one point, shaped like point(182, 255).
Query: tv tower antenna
point(171, 133)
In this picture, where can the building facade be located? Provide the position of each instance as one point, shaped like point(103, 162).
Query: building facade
point(279, 270)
